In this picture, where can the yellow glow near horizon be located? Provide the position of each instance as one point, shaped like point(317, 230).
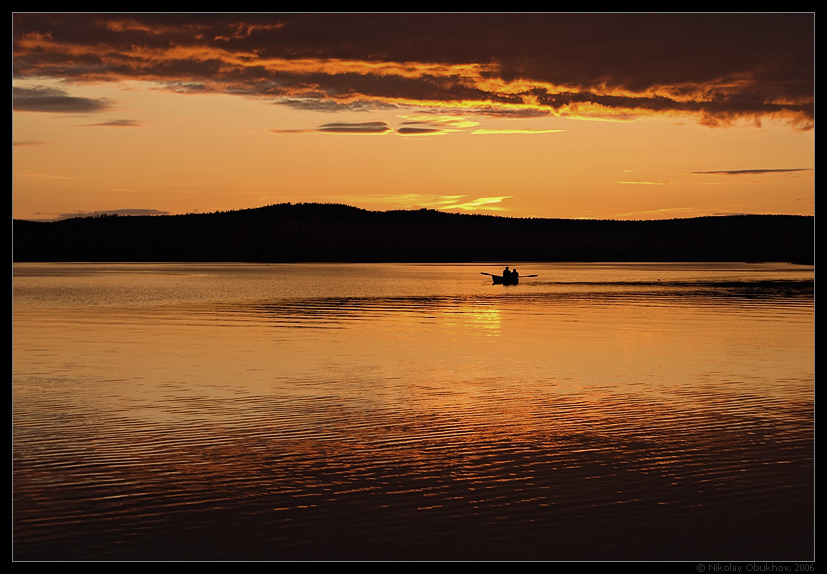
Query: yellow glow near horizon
point(210, 153)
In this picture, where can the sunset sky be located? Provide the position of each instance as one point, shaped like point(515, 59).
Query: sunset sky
point(607, 116)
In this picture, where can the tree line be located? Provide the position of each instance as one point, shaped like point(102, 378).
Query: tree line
point(340, 233)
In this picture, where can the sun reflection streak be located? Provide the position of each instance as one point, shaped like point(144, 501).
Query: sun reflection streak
point(485, 317)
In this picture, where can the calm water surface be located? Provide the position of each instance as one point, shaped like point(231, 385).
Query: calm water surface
point(413, 412)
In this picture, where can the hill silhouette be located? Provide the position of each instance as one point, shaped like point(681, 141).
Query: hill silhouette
point(310, 232)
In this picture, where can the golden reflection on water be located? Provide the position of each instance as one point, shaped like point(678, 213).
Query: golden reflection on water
point(411, 420)
point(486, 317)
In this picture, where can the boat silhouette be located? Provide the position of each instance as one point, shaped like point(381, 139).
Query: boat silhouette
point(509, 279)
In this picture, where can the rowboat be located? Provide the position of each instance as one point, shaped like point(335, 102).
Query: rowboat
point(500, 280)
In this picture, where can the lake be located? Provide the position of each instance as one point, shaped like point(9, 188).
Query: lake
point(413, 412)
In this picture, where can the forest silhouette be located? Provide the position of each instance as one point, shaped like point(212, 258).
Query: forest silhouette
point(312, 232)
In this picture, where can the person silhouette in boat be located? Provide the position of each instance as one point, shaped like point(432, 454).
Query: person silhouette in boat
point(506, 274)
point(514, 276)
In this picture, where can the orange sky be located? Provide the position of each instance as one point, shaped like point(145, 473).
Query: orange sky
point(526, 115)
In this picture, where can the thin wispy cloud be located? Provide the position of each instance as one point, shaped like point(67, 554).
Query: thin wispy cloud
point(116, 124)
point(370, 128)
point(40, 175)
point(643, 182)
point(480, 203)
point(419, 131)
point(355, 128)
point(749, 171)
point(436, 127)
point(426, 201)
point(489, 131)
point(54, 100)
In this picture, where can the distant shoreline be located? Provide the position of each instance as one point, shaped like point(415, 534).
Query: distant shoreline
point(310, 232)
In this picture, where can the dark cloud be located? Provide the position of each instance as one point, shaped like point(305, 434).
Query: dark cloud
point(717, 67)
point(44, 99)
point(377, 127)
point(438, 126)
point(418, 131)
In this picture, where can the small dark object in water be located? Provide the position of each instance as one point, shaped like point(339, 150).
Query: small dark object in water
point(511, 279)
